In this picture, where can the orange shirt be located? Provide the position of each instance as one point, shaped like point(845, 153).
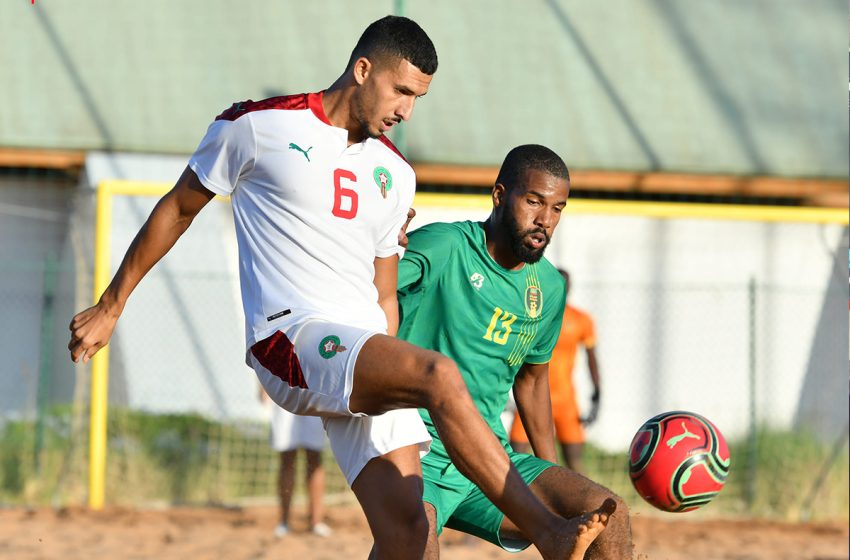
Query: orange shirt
point(577, 329)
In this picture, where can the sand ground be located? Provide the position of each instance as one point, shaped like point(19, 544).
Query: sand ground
point(246, 533)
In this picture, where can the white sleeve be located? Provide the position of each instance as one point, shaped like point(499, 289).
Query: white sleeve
point(227, 152)
point(387, 245)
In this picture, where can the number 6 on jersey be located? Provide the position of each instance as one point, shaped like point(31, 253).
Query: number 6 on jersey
point(341, 192)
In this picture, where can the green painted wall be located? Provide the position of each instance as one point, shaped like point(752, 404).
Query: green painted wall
point(676, 85)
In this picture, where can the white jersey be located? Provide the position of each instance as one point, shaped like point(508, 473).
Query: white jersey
point(311, 212)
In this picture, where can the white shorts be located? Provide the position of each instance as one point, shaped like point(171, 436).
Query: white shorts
point(309, 370)
point(290, 431)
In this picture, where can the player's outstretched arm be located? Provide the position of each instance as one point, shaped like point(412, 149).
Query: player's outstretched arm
point(533, 403)
point(91, 329)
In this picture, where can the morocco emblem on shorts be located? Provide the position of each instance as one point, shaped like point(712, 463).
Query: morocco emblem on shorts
point(533, 301)
point(330, 346)
point(383, 179)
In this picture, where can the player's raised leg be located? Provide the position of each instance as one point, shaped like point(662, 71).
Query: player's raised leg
point(570, 495)
point(306, 371)
point(580, 534)
point(391, 374)
point(588, 527)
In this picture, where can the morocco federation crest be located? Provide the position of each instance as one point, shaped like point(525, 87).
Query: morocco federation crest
point(383, 179)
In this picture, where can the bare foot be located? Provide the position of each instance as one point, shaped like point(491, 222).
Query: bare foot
point(577, 534)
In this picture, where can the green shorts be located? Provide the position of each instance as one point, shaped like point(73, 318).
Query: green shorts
point(462, 506)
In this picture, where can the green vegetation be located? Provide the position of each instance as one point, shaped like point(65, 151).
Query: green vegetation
point(188, 459)
point(32, 475)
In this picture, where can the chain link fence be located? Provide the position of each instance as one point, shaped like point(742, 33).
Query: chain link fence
point(186, 424)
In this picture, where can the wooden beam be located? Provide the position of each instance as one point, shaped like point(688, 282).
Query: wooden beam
point(829, 191)
point(42, 159)
point(460, 175)
point(828, 200)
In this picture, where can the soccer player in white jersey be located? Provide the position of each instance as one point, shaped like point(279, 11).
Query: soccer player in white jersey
point(319, 198)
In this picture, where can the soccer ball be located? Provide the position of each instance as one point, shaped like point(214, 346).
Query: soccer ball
point(678, 461)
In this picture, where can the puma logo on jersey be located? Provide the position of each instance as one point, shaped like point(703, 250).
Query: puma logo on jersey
point(477, 280)
point(294, 146)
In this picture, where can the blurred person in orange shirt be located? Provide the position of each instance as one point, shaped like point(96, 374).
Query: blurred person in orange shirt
point(577, 329)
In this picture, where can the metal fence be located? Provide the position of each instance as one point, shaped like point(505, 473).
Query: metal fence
point(185, 424)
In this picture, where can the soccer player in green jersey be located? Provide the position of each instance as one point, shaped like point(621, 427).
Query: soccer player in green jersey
point(482, 294)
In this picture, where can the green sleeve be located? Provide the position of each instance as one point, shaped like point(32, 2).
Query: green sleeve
point(550, 331)
point(427, 251)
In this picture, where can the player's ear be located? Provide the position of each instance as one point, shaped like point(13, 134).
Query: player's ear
point(361, 69)
point(498, 193)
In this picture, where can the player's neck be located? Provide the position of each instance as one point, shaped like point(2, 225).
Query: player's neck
point(336, 102)
point(499, 247)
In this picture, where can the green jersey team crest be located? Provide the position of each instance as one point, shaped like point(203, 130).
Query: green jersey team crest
point(533, 301)
point(330, 346)
point(383, 179)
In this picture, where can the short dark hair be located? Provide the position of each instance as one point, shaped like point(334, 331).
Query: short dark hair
point(530, 156)
point(399, 37)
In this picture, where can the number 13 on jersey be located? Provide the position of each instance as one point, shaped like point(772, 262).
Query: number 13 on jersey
point(502, 319)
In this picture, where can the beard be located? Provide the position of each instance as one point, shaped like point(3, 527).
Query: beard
point(366, 130)
point(517, 236)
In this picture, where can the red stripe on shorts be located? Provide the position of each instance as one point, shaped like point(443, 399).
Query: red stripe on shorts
point(277, 355)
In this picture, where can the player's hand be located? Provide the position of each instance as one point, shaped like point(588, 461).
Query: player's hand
point(594, 409)
point(91, 330)
point(402, 235)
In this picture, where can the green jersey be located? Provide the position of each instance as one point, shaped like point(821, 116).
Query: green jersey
point(455, 299)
